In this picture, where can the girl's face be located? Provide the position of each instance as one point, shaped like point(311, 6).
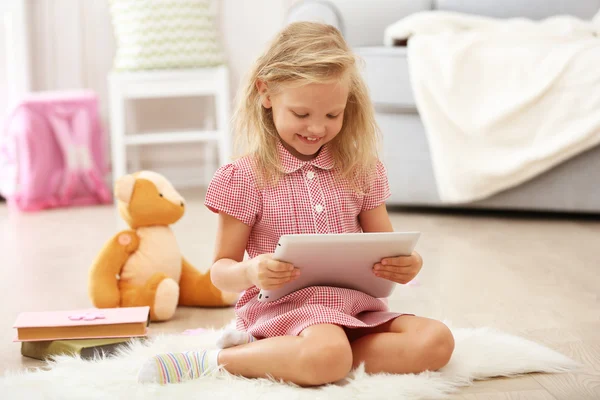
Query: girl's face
point(308, 116)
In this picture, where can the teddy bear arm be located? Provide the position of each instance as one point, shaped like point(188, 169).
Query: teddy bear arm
point(103, 282)
point(196, 289)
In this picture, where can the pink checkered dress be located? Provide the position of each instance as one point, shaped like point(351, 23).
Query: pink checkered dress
point(307, 199)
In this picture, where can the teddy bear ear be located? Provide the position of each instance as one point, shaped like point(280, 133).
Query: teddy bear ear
point(124, 188)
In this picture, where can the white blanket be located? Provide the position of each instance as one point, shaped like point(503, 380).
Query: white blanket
point(480, 353)
point(501, 100)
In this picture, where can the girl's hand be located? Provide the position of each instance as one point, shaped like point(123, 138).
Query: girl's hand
point(267, 273)
point(401, 269)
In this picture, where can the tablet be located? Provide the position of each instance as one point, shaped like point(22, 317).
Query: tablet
point(341, 260)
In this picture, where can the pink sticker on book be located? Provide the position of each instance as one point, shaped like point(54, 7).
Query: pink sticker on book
point(88, 316)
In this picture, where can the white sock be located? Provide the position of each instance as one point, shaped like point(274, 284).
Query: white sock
point(232, 337)
point(179, 367)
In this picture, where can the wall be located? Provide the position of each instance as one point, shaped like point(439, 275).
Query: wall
point(72, 46)
point(14, 75)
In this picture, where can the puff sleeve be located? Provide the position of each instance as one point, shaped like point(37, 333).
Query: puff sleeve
point(233, 191)
point(379, 189)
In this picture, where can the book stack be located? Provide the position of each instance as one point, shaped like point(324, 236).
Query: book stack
point(87, 333)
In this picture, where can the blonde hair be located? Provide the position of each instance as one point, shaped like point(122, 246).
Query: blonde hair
point(304, 53)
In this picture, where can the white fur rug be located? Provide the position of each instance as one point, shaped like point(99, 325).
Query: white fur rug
point(480, 353)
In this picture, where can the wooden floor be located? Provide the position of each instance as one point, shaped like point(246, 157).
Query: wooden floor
point(531, 276)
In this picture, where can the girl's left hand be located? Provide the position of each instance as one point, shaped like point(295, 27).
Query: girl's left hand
point(401, 269)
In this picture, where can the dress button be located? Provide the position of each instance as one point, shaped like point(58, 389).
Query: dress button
point(318, 208)
point(310, 174)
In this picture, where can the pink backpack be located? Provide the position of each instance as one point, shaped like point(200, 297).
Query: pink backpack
point(52, 154)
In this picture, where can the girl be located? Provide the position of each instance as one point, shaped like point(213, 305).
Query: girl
point(306, 119)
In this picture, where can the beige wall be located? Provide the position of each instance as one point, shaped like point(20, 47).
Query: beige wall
point(73, 45)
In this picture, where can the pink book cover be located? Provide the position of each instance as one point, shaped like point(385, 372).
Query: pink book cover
point(81, 317)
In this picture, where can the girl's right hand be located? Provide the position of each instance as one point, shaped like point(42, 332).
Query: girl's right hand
point(266, 273)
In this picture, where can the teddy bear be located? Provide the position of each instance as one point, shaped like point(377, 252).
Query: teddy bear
point(143, 266)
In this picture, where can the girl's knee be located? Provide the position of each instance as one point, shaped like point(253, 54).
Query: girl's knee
point(326, 362)
point(437, 344)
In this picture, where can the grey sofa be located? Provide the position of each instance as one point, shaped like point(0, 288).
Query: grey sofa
point(573, 186)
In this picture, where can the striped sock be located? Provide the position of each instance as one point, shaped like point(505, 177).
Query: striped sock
point(178, 367)
point(233, 337)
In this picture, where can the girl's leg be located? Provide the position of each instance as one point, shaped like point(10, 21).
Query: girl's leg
point(407, 344)
point(320, 354)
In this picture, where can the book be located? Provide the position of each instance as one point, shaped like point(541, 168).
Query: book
point(82, 324)
point(85, 348)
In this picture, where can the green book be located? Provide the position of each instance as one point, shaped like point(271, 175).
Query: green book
point(86, 348)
